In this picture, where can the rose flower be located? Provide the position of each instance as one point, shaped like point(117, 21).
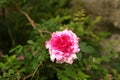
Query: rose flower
point(63, 46)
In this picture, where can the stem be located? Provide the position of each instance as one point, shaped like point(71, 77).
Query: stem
point(30, 20)
point(33, 74)
point(11, 36)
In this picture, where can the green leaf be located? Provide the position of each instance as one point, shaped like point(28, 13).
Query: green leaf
point(88, 49)
point(65, 78)
point(5, 74)
point(98, 60)
point(18, 47)
point(69, 72)
point(2, 65)
point(83, 44)
point(90, 59)
point(79, 55)
point(30, 42)
point(104, 58)
point(34, 65)
point(85, 61)
point(94, 66)
point(79, 29)
point(82, 75)
point(11, 71)
point(28, 55)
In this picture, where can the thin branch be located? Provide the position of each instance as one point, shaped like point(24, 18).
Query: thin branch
point(26, 15)
point(33, 74)
point(11, 36)
point(36, 70)
point(27, 77)
point(30, 20)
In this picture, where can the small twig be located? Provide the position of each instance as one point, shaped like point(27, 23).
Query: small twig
point(33, 74)
point(44, 31)
point(34, 53)
point(27, 77)
point(36, 70)
point(30, 20)
point(11, 36)
point(26, 15)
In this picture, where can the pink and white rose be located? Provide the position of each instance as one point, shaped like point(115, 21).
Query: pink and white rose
point(63, 46)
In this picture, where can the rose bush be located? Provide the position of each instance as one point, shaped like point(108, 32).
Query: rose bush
point(31, 60)
point(63, 46)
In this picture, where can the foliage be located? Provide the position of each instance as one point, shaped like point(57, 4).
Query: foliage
point(36, 64)
point(13, 23)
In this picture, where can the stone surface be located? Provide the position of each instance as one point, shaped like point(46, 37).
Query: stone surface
point(108, 9)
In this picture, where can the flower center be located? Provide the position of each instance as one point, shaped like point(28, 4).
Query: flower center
point(62, 43)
